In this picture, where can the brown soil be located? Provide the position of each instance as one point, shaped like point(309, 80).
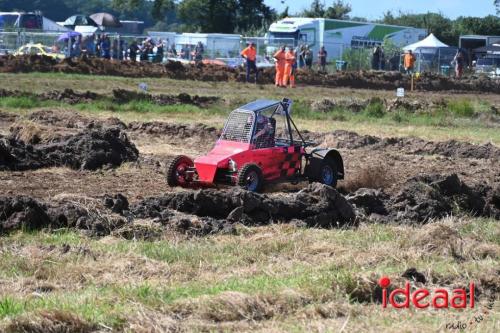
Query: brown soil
point(382, 182)
point(175, 70)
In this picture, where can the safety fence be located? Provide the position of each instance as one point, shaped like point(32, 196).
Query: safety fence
point(225, 49)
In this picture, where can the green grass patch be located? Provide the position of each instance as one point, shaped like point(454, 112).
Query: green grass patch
point(461, 108)
point(375, 110)
point(10, 307)
point(20, 102)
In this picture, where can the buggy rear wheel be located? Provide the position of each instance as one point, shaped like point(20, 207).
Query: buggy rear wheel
point(250, 178)
point(328, 173)
point(177, 171)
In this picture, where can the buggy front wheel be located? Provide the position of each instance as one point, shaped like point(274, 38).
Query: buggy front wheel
point(250, 178)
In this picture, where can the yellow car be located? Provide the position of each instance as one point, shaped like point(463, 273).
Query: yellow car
point(38, 49)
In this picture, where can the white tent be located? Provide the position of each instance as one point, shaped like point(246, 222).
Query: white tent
point(51, 26)
point(429, 42)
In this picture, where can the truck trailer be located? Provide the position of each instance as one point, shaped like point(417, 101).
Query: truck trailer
point(337, 35)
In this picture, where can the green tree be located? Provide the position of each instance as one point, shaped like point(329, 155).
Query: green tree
point(161, 8)
point(339, 10)
point(317, 9)
point(253, 15)
point(209, 15)
point(284, 13)
point(435, 23)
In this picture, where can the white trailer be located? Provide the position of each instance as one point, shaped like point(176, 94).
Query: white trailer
point(337, 35)
point(215, 45)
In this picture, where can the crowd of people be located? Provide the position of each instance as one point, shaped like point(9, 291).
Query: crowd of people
point(287, 59)
point(103, 46)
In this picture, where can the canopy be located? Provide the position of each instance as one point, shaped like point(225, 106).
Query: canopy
point(79, 20)
point(429, 42)
point(106, 20)
point(67, 35)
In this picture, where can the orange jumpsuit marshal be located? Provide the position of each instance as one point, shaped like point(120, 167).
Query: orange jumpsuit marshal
point(289, 68)
point(279, 56)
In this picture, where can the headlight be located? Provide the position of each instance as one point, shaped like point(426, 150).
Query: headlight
point(233, 167)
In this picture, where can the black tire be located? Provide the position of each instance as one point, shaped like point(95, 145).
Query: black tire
point(328, 173)
point(173, 177)
point(250, 178)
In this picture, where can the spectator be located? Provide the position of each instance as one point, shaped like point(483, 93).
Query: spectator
point(90, 45)
point(199, 48)
point(409, 62)
point(159, 51)
point(105, 47)
point(250, 55)
point(77, 47)
point(133, 49)
point(301, 54)
point(173, 51)
point(376, 58)
point(114, 49)
point(97, 45)
point(279, 58)
point(308, 57)
point(184, 52)
point(290, 66)
point(382, 59)
point(121, 48)
point(322, 55)
point(459, 61)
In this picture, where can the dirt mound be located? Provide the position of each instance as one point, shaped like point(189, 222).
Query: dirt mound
point(424, 198)
point(23, 212)
point(73, 120)
point(52, 322)
point(371, 201)
point(316, 206)
point(452, 148)
point(90, 149)
point(429, 197)
point(125, 96)
point(179, 131)
point(175, 70)
point(69, 96)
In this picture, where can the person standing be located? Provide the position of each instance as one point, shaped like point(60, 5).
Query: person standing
point(322, 54)
point(250, 55)
point(376, 58)
point(409, 62)
point(159, 52)
point(114, 49)
point(459, 61)
point(133, 49)
point(290, 65)
point(279, 58)
point(308, 57)
point(105, 47)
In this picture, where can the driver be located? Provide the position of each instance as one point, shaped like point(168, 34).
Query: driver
point(265, 131)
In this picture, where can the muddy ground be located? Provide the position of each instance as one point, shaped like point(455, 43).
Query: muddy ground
point(175, 70)
point(62, 169)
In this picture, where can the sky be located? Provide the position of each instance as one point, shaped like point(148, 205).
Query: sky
point(374, 9)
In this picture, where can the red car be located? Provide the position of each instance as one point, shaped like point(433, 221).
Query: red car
point(259, 144)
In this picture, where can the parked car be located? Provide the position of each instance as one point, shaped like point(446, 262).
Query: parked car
point(487, 65)
point(38, 49)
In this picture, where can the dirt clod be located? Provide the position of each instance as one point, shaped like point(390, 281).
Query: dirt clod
point(90, 149)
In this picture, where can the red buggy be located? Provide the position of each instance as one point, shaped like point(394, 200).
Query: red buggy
point(259, 144)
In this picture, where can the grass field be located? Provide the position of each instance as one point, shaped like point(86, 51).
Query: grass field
point(278, 278)
point(467, 118)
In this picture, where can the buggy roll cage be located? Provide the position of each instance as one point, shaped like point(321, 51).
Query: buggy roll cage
point(280, 108)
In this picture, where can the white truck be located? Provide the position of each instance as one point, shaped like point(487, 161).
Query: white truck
point(337, 35)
